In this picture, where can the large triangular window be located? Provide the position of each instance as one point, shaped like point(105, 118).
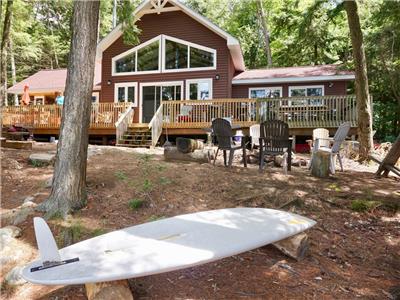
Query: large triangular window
point(164, 54)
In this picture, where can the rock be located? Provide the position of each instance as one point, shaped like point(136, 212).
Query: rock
point(10, 231)
point(29, 204)
point(14, 277)
point(29, 199)
point(117, 290)
point(41, 159)
point(17, 215)
point(318, 278)
point(49, 182)
point(295, 247)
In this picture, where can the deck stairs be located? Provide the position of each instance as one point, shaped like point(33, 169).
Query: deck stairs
point(136, 137)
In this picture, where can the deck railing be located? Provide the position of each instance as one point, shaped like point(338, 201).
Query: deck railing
point(298, 112)
point(200, 113)
point(103, 115)
point(156, 125)
point(124, 120)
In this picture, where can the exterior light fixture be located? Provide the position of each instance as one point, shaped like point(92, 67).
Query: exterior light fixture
point(330, 84)
point(217, 77)
point(108, 82)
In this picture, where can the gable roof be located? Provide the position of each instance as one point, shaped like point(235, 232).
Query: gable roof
point(294, 74)
point(49, 81)
point(146, 7)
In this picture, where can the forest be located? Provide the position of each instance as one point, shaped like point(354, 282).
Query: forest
point(298, 32)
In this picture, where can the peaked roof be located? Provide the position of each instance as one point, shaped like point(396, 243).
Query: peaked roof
point(293, 74)
point(146, 7)
point(49, 81)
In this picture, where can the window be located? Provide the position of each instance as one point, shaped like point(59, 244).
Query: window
point(164, 54)
point(265, 92)
point(125, 92)
point(38, 100)
point(176, 55)
point(201, 58)
point(95, 97)
point(147, 57)
point(306, 91)
point(199, 89)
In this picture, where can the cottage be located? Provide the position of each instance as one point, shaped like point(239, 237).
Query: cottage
point(185, 72)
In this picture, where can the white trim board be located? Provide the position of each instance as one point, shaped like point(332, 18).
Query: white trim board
point(199, 80)
point(232, 43)
point(293, 79)
point(126, 85)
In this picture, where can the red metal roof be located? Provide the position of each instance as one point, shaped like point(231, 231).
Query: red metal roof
point(51, 80)
point(288, 72)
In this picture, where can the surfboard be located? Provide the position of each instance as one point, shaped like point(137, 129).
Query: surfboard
point(161, 246)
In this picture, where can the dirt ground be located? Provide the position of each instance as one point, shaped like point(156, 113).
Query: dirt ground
point(354, 248)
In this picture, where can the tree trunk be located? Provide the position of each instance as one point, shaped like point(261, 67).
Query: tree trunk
point(13, 69)
point(264, 25)
point(3, 52)
point(114, 14)
point(69, 181)
point(362, 93)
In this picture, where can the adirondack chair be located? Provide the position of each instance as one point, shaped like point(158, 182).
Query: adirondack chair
point(322, 134)
point(389, 162)
point(255, 135)
point(222, 130)
point(274, 140)
point(336, 142)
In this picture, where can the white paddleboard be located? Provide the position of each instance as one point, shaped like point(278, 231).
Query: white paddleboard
point(166, 245)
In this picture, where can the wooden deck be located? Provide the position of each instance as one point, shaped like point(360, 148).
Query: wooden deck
point(190, 117)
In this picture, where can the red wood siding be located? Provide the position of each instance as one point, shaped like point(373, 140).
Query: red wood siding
point(338, 88)
point(179, 25)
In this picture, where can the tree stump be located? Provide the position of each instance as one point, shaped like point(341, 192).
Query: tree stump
point(186, 145)
point(320, 164)
point(116, 290)
point(295, 247)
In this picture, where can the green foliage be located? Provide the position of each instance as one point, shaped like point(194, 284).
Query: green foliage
point(147, 186)
point(364, 205)
point(335, 187)
point(135, 204)
point(153, 218)
point(165, 181)
point(121, 175)
point(126, 16)
point(98, 231)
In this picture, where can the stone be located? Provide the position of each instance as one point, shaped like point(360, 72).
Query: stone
point(17, 215)
point(49, 182)
point(295, 247)
point(29, 204)
point(43, 159)
point(10, 231)
point(29, 199)
point(25, 145)
point(14, 277)
point(117, 290)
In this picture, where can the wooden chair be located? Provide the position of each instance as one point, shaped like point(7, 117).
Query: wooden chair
point(274, 140)
point(389, 162)
point(336, 142)
point(222, 130)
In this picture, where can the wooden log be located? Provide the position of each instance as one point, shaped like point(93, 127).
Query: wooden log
point(186, 145)
point(295, 247)
point(116, 290)
point(320, 164)
point(200, 156)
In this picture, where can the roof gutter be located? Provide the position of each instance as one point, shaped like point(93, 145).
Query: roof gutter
point(293, 79)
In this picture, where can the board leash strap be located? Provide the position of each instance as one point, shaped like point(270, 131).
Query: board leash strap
point(55, 264)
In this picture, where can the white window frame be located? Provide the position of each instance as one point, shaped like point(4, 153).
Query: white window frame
point(266, 88)
point(189, 45)
point(97, 95)
point(135, 49)
point(189, 81)
point(39, 97)
point(295, 87)
point(160, 84)
point(126, 85)
point(161, 57)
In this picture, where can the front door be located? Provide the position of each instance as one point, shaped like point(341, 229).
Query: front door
point(153, 94)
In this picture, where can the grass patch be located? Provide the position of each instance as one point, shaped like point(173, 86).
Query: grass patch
point(98, 231)
point(135, 204)
point(165, 181)
point(334, 187)
point(37, 164)
point(161, 168)
point(145, 158)
point(364, 205)
point(147, 186)
point(121, 175)
point(56, 216)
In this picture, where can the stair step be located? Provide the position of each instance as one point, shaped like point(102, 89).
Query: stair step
point(134, 146)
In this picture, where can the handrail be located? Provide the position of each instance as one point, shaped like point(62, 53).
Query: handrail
point(122, 125)
point(156, 125)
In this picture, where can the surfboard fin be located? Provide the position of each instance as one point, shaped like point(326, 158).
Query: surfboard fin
point(47, 246)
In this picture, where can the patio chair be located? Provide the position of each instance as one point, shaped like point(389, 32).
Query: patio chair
point(255, 135)
point(274, 140)
point(322, 134)
point(222, 130)
point(334, 150)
